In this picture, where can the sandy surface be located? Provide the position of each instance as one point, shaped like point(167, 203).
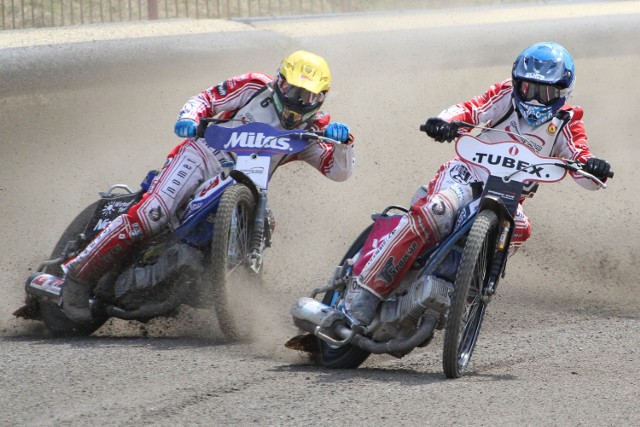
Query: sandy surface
point(81, 112)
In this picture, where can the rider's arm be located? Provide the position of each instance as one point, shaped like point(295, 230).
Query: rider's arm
point(335, 161)
point(228, 95)
point(486, 108)
point(572, 144)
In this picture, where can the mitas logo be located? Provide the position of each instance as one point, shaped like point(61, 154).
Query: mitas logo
point(253, 140)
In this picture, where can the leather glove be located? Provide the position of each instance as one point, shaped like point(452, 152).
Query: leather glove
point(441, 130)
point(338, 131)
point(597, 167)
point(185, 128)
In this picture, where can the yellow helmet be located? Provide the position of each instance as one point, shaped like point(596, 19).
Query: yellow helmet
point(302, 83)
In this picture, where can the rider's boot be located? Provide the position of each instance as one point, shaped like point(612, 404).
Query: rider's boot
point(361, 304)
point(75, 300)
point(105, 251)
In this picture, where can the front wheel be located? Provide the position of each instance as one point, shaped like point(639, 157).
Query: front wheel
point(467, 307)
point(230, 246)
point(348, 356)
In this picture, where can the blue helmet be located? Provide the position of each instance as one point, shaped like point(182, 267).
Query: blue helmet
point(543, 77)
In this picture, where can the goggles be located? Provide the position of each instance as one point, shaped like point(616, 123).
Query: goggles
point(297, 97)
point(545, 94)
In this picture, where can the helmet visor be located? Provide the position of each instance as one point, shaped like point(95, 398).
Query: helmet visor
point(297, 97)
point(545, 94)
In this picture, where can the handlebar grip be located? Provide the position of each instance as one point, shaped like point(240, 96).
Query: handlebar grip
point(202, 126)
point(423, 128)
point(610, 174)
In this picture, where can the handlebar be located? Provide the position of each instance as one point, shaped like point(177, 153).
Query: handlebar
point(307, 135)
point(202, 125)
point(319, 136)
point(577, 167)
point(423, 128)
point(573, 166)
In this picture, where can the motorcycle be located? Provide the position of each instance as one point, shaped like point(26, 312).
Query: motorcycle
point(219, 241)
point(450, 285)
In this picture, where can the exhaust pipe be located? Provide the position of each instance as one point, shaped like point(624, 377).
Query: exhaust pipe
point(315, 312)
point(402, 346)
point(330, 325)
point(45, 286)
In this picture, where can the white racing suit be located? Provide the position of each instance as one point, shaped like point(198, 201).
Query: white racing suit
point(433, 212)
point(242, 99)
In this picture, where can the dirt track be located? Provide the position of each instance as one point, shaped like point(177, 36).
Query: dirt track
point(560, 343)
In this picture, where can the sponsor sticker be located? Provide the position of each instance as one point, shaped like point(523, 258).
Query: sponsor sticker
point(222, 89)
point(438, 208)
point(155, 214)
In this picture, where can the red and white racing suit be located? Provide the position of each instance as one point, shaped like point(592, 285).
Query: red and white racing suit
point(432, 215)
point(241, 99)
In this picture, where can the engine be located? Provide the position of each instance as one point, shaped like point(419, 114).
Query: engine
point(179, 264)
point(400, 315)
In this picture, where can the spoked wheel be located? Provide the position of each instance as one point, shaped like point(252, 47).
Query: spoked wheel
point(61, 326)
point(349, 356)
point(230, 246)
point(467, 307)
point(52, 316)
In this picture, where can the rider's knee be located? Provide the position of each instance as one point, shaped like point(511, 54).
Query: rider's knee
point(148, 218)
point(522, 229)
point(441, 209)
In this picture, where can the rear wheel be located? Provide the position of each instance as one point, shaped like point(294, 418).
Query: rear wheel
point(467, 307)
point(72, 232)
point(61, 326)
point(52, 316)
point(349, 356)
point(230, 247)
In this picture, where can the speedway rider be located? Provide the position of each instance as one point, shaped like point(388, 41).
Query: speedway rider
point(291, 101)
point(532, 104)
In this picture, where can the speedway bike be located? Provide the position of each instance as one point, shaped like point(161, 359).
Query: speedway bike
point(449, 286)
point(218, 244)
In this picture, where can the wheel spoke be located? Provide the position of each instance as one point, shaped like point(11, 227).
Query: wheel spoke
point(238, 238)
point(229, 246)
point(468, 307)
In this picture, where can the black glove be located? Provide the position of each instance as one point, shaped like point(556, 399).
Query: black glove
point(597, 167)
point(441, 130)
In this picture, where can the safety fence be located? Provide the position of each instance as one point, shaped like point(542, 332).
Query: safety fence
point(21, 14)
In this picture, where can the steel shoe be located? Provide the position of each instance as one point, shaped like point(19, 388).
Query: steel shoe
point(75, 300)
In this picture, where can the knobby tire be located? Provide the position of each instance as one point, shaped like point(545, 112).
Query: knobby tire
point(52, 316)
point(349, 356)
point(467, 308)
point(229, 248)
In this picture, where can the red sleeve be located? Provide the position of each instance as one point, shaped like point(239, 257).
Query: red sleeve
point(488, 107)
point(320, 121)
point(576, 136)
point(228, 95)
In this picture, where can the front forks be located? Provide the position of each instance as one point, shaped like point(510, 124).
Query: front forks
point(498, 266)
point(254, 257)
